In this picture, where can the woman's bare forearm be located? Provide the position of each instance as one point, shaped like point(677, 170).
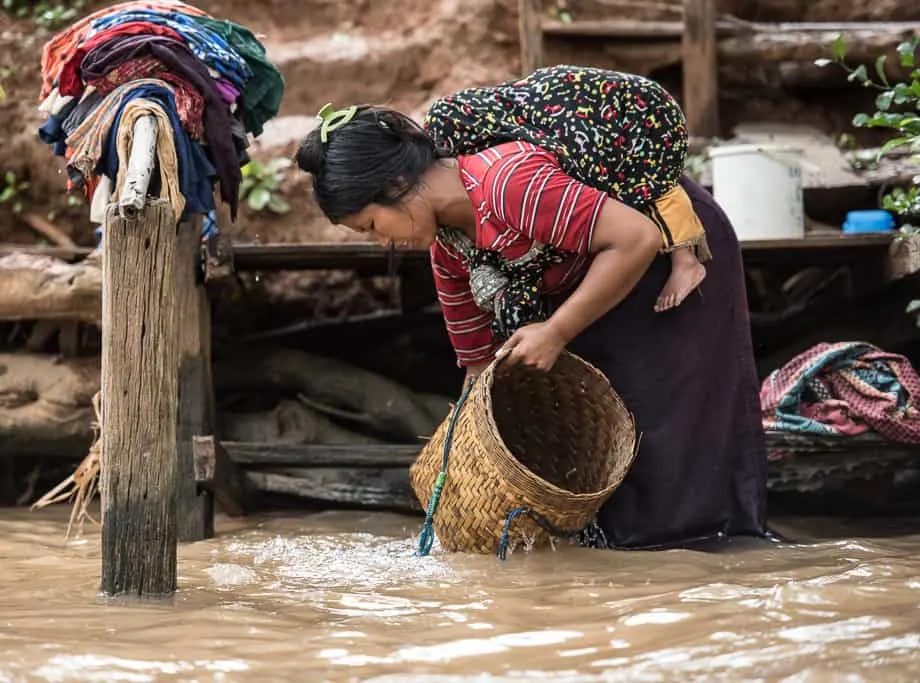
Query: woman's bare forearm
point(610, 278)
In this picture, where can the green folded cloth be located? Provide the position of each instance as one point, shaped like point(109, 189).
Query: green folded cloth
point(265, 88)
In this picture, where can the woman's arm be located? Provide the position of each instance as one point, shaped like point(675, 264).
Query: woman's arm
point(624, 244)
point(528, 191)
point(468, 327)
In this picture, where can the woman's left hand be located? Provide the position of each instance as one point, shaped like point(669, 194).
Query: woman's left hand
point(537, 345)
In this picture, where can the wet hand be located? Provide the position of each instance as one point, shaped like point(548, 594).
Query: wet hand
point(537, 345)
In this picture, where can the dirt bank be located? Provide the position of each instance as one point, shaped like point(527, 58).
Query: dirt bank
point(404, 54)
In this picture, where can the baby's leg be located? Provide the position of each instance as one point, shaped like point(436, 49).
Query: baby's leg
point(686, 275)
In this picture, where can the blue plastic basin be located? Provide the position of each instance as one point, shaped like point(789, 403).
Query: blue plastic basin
point(876, 220)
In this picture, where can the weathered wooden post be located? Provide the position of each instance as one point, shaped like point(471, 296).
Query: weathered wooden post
point(701, 68)
point(530, 32)
point(196, 409)
point(140, 384)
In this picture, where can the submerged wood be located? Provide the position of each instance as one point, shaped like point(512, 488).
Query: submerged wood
point(46, 404)
point(389, 408)
point(321, 455)
point(45, 288)
point(385, 489)
point(288, 422)
point(813, 463)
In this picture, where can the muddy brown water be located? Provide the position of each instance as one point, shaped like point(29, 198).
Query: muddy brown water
point(340, 597)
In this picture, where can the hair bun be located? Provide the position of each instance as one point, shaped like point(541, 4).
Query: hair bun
point(311, 153)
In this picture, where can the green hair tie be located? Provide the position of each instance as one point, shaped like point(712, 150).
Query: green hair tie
point(333, 119)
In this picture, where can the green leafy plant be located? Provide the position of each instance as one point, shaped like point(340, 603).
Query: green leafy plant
point(46, 14)
point(897, 109)
point(12, 190)
point(261, 185)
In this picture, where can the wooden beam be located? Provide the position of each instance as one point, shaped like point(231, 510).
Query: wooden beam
point(741, 41)
point(140, 402)
point(656, 30)
point(216, 473)
point(811, 463)
point(622, 28)
point(864, 44)
point(531, 35)
point(816, 242)
point(366, 258)
point(701, 68)
point(321, 455)
point(385, 489)
point(218, 258)
point(39, 287)
point(195, 508)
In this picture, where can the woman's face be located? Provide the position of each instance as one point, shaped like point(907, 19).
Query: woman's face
point(410, 224)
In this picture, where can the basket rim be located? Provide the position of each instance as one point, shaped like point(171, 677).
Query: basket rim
point(485, 382)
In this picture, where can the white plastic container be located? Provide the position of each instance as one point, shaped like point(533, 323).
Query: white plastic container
point(759, 186)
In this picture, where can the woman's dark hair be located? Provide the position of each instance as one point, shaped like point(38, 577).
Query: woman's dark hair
point(378, 157)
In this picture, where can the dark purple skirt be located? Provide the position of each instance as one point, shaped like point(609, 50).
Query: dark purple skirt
point(688, 376)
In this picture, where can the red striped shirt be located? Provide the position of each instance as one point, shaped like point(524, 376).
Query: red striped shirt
point(520, 195)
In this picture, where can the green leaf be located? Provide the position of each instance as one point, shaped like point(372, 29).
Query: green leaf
point(823, 62)
point(880, 68)
point(839, 49)
point(259, 199)
point(902, 93)
point(861, 120)
point(892, 144)
point(906, 51)
point(859, 74)
point(7, 194)
point(883, 101)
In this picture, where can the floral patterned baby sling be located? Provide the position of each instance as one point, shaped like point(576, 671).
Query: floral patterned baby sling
point(619, 133)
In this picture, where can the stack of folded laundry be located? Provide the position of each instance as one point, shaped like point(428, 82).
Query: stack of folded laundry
point(205, 81)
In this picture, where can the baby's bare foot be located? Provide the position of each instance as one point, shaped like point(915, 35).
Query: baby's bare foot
point(686, 275)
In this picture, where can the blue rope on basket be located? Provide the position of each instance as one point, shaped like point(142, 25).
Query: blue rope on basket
point(426, 538)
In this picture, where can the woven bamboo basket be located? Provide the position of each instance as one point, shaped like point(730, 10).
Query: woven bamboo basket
point(557, 443)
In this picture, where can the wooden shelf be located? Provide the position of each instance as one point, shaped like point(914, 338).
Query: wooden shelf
point(822, 242)
point(370, 258)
